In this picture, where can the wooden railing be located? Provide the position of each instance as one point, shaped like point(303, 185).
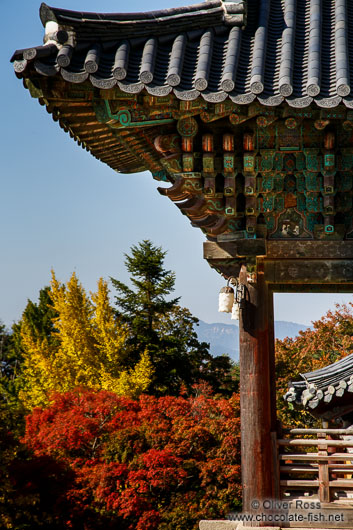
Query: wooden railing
point(322, 467)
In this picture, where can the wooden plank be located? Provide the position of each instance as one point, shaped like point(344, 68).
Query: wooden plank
point(342, 483)
point(311, 468)
point(300, 483)
point(316, 431)
point(312, 287)
point(234, 249)
point(308, 442)
point(309, 271)
point(309, 249)
point(343, 467)
point(309, 457)
point(228, 246)
point(338, 470)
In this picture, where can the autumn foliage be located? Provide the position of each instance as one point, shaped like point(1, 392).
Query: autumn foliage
point(329, 339)
point(154, 463)
point(85, 347)
point(131, 423)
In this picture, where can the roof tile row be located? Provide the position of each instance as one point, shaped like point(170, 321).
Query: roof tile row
point(295, 50)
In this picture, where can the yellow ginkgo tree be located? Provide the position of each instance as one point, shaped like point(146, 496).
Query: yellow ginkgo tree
point(86, 349)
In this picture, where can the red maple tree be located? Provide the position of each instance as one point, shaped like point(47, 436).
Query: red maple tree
point(156, 463)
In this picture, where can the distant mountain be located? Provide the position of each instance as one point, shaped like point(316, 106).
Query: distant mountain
point(288, 329)
point(224, 338)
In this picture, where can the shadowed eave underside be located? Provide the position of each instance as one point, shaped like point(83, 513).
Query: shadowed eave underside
point(213, 98)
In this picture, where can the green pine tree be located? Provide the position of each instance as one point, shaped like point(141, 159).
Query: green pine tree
point(10, 363)
point(165, 329)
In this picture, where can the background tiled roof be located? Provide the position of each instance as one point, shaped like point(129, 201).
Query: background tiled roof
point(326, 392)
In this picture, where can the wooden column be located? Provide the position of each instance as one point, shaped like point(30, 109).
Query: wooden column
point(257, 395)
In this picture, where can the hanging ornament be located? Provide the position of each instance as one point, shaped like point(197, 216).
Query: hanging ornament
point(226, 299)
point(235, 311)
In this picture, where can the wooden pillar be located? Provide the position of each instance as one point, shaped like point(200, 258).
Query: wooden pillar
point(324, 475)
point(257, 391)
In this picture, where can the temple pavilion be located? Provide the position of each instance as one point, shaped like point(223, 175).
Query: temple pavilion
point(246, 108)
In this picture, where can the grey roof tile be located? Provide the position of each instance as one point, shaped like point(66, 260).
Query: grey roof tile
point(294, 50)
point(176, 60)
point(326, 391)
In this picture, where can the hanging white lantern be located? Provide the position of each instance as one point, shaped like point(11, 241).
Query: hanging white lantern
point(226, 299)
point(235, 311)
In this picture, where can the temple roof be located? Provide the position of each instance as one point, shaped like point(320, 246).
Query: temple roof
point(328, 392)
point(299, 51)
point(197, 96)
point(107, 26)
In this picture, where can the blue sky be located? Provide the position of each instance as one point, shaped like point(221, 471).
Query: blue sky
point(62, 209)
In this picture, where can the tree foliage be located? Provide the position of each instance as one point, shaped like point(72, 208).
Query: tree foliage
point(106, 455)
point(82, 344)
point(164, 328)
point(330, 339)
point(27, 488)
point(10, 362)
point(154, 463)
point(38, 318)
point(11, 409)
point(142, 307)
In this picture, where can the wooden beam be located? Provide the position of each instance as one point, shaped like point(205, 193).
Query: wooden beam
point(307, 441)
point(308, 271)
point(313, 288)
point(309, 249)
point(311, 468)
point(234, 249)
point(282, 250)
point(321, 431)
point(300, 483)
point(309, 457)
point(257, 404)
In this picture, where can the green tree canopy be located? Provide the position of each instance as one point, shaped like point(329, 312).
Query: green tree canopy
point(11, 410)
point(39, 319)
point(164, 328)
